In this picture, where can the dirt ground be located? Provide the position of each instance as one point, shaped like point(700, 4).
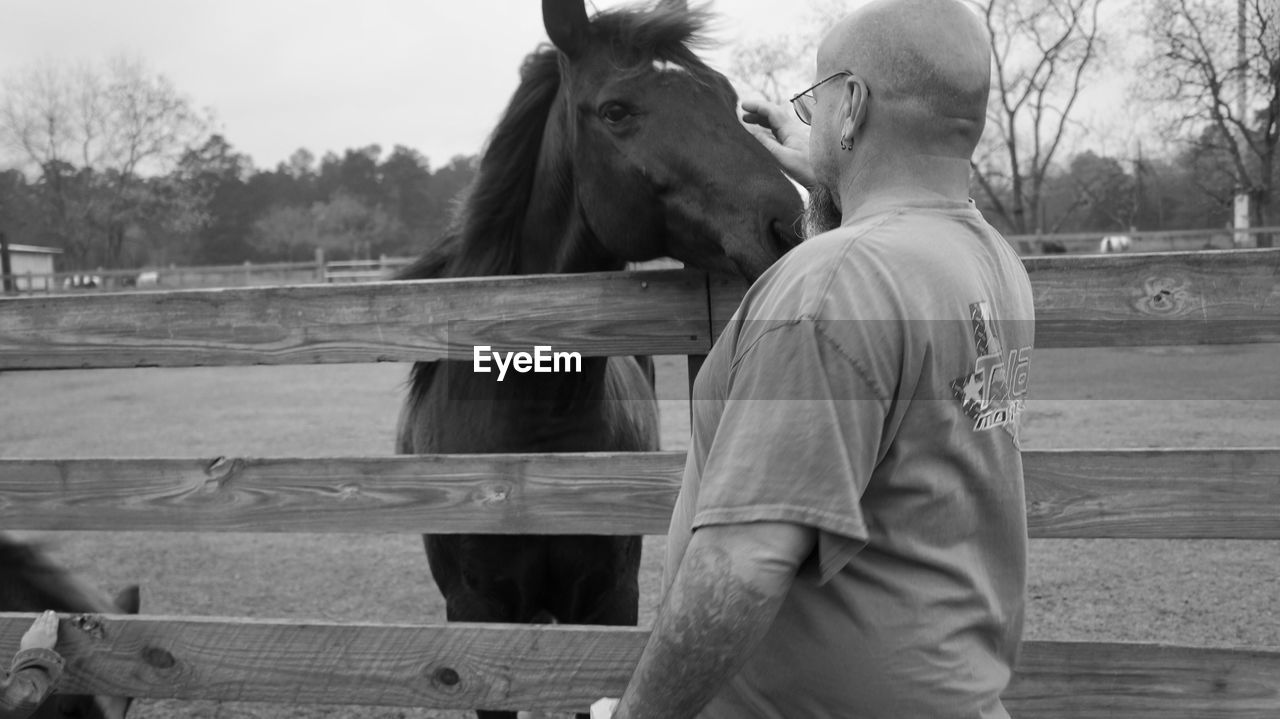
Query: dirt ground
point(1189, 592)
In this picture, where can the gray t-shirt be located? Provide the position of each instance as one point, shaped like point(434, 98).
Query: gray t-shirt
point(870, 386)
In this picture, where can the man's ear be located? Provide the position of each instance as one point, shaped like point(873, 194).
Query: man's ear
point(853, 108)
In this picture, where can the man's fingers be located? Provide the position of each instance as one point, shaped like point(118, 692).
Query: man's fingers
point(43, 632)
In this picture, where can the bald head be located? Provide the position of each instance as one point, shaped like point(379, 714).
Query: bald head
point(927, 64)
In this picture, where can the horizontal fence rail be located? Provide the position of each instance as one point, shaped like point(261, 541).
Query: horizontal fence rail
point(1182, 494)
point(1134, 300)
point(558, 668)
point(662, 312)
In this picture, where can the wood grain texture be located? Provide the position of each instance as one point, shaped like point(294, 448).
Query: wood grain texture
point(1153, 493)
point(1089, 301)
point(1172, 298)
point(656, 312)
point(1085, 680)
point(590, 493)
point(565, 668)
point(1132, 300)
point(1187, 494)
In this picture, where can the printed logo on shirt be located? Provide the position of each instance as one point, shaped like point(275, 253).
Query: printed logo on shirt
point(995, 393)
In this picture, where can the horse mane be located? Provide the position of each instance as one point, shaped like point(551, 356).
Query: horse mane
point(30, 581)
point(664, 33)
point(485, 236)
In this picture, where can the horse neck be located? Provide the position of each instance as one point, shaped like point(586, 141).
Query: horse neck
point(554, 234)
point(557, 240)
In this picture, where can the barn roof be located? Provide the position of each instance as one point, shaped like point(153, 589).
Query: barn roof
point(35, 250)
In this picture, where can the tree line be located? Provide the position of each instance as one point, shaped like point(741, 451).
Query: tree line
point(117, 168)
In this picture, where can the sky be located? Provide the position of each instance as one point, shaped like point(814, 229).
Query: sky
point(330, 75)
point(326, 75)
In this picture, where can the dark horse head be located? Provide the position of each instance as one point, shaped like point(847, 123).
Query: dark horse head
point(29, 582)
point(620, 145)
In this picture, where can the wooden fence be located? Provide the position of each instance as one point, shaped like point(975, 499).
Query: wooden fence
point(1126, 300)
point(1148, 240)
point(208, 276)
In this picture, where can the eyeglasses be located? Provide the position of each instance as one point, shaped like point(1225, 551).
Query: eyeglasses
point(804, 101)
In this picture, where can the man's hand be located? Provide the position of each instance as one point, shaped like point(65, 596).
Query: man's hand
point(787, 138)
point(43, 634)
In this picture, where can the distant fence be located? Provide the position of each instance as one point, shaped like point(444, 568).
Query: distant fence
point(371, 270)
point(243, 275)
point(1149, 241)
point(1112, 301)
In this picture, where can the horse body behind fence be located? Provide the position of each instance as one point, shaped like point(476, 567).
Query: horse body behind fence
point(30, 582)
point(619, 145)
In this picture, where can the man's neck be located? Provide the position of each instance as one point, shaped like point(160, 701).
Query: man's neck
point(903, 178)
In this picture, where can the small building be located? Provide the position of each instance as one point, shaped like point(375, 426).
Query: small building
point(32, 267)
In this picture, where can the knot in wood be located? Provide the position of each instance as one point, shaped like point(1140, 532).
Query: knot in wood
point(446, 677)
point(220, 471)
point(90, 624)
point(158, 658)
point(1165, 296)
point(494, 493)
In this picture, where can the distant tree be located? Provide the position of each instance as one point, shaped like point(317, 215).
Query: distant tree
point(1103, 190)
point(1042, 53)
point(348, 226)
point(779, 65)
point(92, 136)
point(19, 212)
point(769, 67)
point(406, 186)
point(448, 186)
point(355, 173)
point(301, 164)
point(218, 174)
point(286, 233)
point(1198, 59)
point(1187, 200)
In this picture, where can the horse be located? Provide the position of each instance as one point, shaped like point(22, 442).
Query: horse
point(619, 145)
point(30, 582)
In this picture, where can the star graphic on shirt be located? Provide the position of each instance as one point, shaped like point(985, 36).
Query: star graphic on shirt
point(971, 391)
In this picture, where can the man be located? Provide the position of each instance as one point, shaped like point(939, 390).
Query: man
point(850, 537)
point(34, 671)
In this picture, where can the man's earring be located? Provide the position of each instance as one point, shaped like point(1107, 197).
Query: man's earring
point(845, 145)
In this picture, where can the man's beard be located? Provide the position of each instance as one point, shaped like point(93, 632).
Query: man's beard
point(820, 213)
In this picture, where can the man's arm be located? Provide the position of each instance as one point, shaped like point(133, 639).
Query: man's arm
point(726, 593)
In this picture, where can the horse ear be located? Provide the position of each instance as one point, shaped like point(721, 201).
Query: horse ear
point(567, 24)
point(129, 600)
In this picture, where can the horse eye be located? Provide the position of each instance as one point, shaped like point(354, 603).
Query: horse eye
point(614, 112)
